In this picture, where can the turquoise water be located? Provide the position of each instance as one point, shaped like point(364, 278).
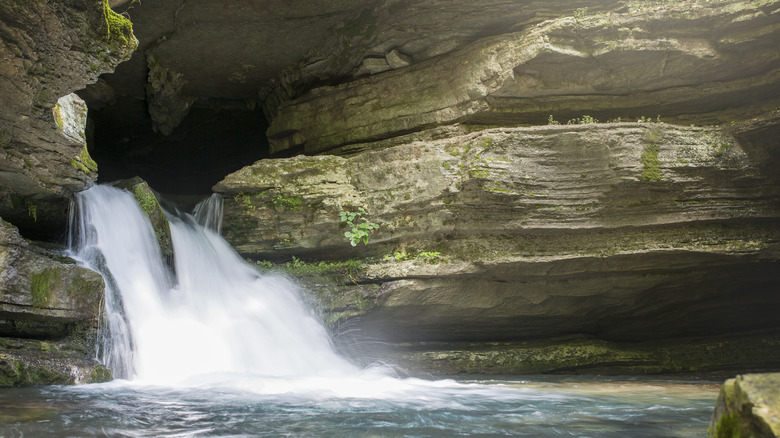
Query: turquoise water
point(535, 407)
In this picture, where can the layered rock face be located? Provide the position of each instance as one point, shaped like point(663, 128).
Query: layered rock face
point(50, 50)
point(49, 306)
point(49, 310)
point(691, 62)
point(536, 231)
point(636, 230)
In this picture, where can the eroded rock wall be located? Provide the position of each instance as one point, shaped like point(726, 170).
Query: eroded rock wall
point(49, 50)
point(624, 232)
point(689, 62)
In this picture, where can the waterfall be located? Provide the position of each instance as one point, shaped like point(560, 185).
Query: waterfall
point(217, 316)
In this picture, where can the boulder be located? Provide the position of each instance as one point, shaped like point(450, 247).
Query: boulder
point(748, 405)
point(42, 294)
point(49, 314)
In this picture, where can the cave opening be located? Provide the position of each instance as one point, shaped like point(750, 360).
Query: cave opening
point(211, 142)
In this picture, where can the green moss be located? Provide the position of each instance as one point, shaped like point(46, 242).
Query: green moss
point(151, 207)
point(57, 113)
point(287, 202)
point(650, 163)
point(100, 374)
point(479, 173)
point(41, 285)
point(32, 210)
point(727, 427)
point(118, 28)
point(146, 200)
point(84, 162)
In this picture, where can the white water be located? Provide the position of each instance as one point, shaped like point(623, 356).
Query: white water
point(218, 316)
point(219, 350)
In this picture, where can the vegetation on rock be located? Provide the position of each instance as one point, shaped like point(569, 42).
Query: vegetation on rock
point(360, 227)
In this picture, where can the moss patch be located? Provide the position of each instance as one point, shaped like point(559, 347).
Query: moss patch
point(84, 162)
point(650, 163)
point(41, 285)
point(118, 28)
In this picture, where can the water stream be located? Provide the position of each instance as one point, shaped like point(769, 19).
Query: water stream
point(214, 348)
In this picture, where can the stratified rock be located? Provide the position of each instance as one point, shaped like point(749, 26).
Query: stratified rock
point(683, 61)
point(624, 231)
point(373, 66)
point(41, 294)
point(49, 49)
point(35, 362)
point(748, 406)
point(49, 311)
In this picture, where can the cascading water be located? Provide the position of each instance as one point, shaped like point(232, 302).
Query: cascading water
point(218, 316)
point(220, 350)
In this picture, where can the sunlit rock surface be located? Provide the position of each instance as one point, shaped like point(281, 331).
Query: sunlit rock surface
point(748, 405)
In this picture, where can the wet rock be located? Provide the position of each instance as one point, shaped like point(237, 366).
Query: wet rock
point(42, 295)
point(150, 205)
point(748, 405)
point(49, 312)
point(32, 362)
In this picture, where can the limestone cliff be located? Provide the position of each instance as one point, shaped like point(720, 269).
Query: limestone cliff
point(620, 231)
point(49, 50)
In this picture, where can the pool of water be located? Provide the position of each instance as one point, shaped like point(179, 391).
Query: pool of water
point(541, 406)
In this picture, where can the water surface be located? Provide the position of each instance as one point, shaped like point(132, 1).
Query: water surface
point(541, 406)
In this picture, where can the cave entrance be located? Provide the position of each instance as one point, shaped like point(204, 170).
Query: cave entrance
point(208, 144)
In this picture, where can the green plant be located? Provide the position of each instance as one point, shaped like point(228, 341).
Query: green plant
point(32, 210)
point(580, 13)
point(552, 121)
point(399, 256)
point(584, 120)
point(360, 227)
point(287, 203)
point(650, 162)
point(430, 257)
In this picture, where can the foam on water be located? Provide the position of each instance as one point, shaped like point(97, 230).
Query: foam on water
point(217, 315)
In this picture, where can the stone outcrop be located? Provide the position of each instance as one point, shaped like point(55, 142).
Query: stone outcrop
point(748, 406)
point(704, 63)
point(622, 232)
point(49, 311)
point(49, 50)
